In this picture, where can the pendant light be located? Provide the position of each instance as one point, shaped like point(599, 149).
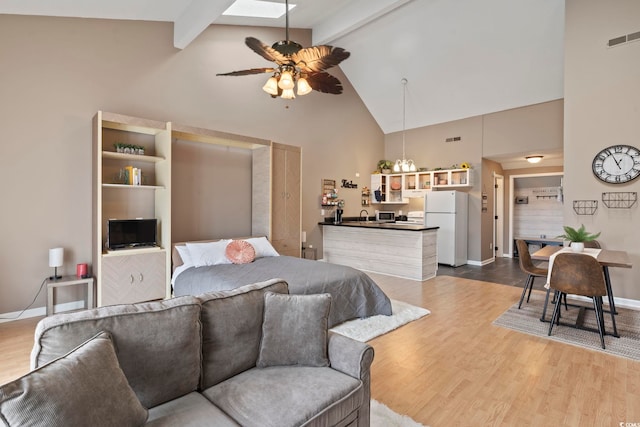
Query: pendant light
point(404, 165)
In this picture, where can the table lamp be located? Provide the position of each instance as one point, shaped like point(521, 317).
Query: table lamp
point(56, 256)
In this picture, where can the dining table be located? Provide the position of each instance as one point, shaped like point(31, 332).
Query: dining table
point(606, 257)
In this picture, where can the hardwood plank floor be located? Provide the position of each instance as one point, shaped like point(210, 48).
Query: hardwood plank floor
point(454, 368)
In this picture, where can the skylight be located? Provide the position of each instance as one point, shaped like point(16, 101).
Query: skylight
point(256, 9)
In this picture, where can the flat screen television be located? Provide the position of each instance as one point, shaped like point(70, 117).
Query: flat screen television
point(131, 233)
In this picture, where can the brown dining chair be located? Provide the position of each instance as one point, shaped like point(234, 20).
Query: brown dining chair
point(578, 274)
point(528, 267)
point(594, 244)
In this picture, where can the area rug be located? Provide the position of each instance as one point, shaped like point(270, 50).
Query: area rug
point(366, 329)
point(382, 416)
point(527, 320)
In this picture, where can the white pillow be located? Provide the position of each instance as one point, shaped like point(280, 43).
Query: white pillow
point(211, 253)
point(185, 256)
point(262, 247)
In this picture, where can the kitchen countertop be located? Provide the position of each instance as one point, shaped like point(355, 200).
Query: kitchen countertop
point(380, 225)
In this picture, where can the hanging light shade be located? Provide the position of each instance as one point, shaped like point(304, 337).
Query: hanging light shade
point(288, 94)
point(303, 86)
point(286, 80)
point(271, 86)
point(404, 165)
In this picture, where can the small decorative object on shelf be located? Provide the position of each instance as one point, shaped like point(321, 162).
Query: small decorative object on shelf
point(465, 165)
point(620, 200)
point(128, 148)
point(366, 194)
point(384, 166)
point(585, 207)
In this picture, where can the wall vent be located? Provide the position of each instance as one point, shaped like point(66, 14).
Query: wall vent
point(454, 139)
point(624, 39)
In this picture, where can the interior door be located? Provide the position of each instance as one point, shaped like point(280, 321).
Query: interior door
point(498, 210)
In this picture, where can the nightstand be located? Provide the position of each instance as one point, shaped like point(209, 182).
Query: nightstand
point(310, 253)
point(69, 281)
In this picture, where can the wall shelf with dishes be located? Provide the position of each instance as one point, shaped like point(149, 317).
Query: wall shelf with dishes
point(399, 188)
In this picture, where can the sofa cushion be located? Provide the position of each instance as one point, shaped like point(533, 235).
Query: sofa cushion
point(294, 330)
point(191, 410)
point(231, 329)
point(85, 387)
point(282, 396)
point(158, 344)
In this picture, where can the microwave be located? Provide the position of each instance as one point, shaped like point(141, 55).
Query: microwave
point(385, 216)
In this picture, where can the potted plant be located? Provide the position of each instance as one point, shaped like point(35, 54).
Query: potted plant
point(578, 237)
point(385, 166)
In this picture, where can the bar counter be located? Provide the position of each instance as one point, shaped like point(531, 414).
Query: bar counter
point(402, 250)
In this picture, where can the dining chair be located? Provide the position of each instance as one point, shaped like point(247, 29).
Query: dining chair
point(528, 267)
point(578, 274)
point(592, 244)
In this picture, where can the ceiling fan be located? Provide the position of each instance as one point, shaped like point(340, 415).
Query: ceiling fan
point(296, 65)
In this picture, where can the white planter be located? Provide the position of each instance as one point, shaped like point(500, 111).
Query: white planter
point(577, 246)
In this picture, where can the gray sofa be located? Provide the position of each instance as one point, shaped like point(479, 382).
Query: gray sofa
point(242, 357)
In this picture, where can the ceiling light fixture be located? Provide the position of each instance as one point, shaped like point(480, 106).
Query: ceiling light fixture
point(534, 159)
point(304, 68)
point(404, 165)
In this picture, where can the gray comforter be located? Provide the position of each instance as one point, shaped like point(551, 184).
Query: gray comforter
point(353, 293)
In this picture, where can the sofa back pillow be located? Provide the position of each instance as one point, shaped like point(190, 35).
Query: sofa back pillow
point(232, 329)
point(158, 343)
point(85, 387)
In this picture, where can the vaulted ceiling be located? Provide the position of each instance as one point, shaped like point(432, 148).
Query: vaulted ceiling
point(462, 58)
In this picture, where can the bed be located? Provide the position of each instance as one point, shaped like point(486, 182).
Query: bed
point(353, 293)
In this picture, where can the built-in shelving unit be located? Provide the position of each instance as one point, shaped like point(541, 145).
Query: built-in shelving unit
point(134, 275)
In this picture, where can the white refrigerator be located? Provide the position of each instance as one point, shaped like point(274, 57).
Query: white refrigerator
point(449, 211)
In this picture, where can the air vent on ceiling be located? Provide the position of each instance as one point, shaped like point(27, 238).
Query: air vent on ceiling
point(624, 39)
point(454, 139)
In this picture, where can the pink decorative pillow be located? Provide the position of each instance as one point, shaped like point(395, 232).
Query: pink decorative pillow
point(240, 252)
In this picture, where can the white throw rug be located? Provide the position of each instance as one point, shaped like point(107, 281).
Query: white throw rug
point(382, 416)
point(365, 329)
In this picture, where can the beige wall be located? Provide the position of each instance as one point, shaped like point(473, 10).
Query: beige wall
point(57, 72)
point(602, 105)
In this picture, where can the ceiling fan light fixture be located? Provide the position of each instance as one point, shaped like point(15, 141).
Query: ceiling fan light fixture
point(295, 65)
point(303, 86)
point(271, 86)
point(534, 159)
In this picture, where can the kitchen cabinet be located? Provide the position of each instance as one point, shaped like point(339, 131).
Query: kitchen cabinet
point(387, 189)
point(451, 179)
point(398, 188)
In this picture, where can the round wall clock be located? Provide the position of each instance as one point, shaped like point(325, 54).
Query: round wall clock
point(617, 164)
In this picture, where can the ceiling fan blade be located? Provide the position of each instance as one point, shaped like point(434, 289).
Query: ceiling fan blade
point(325, 83)
point(248, 72)
point(267, 52)
point(319, 58)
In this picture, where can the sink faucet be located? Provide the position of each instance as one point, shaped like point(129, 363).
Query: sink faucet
point(366, 218)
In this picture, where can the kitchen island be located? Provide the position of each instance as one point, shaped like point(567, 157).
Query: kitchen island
point(402, 250)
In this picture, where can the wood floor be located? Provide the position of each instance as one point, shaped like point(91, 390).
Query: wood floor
point(454, 368)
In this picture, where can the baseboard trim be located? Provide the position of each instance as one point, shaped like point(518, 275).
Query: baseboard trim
point(631, 304)
point(41, 311)
point(481, 263)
